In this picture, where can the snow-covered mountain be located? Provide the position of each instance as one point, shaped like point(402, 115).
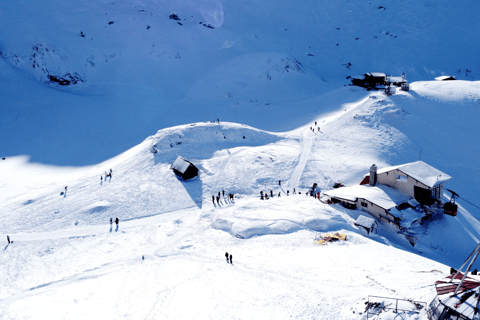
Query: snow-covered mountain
point(82, 85)
point(264, 64)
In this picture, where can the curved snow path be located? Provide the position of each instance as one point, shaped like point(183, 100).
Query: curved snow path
point(104, 228)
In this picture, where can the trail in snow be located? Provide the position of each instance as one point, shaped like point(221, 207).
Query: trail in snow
point(102, 229)
point(307, 143)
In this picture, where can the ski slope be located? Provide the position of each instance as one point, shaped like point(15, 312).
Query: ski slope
point(142, 80)
point(66, 261)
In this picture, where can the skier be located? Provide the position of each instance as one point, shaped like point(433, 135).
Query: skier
point(279, 182)
point(231, 259)
point(65, 189)
point(111, 171)
point(226, 256)
point(288, 193)
point(223, 193)
point(219, 194)
point(315, 122)
point(318, 129)
point(279, 194)
point(116, 221)
point(111, 221)
point(271, 193)
point(101, 178)
point(294, 191)
point(8, 239)
point(218, 120)
point(213, 199)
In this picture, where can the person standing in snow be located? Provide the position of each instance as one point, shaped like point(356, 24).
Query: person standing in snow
point(318, 129)
point(8, 239)
point(101, 178)
point(279, 182)
point(65, 189)
point(271, 193)
point(111, 221)
point(116, 221)
point(279, 194)
point(294, 191)
point(223, 193)
point(218, 200)
point(213, 199)
point(315, 122)
point(226, 256)
point(219, 194)
point(288, 193)
point(230, 259)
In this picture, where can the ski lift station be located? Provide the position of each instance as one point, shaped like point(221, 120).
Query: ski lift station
point(402, 195)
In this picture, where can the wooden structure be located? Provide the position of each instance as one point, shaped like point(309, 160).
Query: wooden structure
point(184, 168)
point(458, 295)
point(380, 201)
point(379, 80)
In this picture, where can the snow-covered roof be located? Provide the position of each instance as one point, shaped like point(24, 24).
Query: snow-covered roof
point(420, 171)
point(397, 79)
point(376, 74)
point(441, 78)
point(382, 196)
point(365, 222)
point(464, 301)
point(181, 165)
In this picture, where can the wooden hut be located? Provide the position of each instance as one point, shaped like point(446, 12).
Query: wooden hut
point(184, 168)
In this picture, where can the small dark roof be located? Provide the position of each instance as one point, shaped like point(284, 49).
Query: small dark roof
point(443, 78)
point(181, 165)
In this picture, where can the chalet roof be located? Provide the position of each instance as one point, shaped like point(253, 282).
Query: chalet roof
point(397, 79)
point(181, 165)
point(383, 196)
point(443, 78)
point(420, 171)
point(376, 74)
point(365, 222)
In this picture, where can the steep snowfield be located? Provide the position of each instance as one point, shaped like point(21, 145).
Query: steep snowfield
point(67, 262)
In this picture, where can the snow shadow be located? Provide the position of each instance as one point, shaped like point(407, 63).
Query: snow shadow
point(194, 188)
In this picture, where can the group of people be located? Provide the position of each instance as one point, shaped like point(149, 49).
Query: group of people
point(313, 128)
point(265, 196)
point(116, 221)
point(226, 256)
point(220, 194)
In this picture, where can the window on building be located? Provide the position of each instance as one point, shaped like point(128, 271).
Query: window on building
point(364, 204)
point(401, 178)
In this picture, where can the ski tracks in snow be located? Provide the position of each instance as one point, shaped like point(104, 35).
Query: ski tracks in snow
point(305, 155)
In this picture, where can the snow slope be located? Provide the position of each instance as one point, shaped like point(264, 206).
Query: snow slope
point(264, 64)
point(268, 70)
point(65, 254)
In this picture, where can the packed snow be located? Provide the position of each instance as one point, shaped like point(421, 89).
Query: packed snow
point(256, 95)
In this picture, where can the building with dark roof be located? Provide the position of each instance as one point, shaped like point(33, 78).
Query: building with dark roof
point(184, 168)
